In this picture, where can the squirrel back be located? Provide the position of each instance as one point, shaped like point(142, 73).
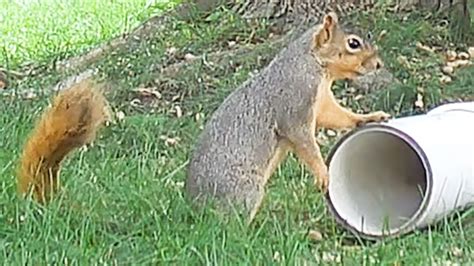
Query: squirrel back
point(71, 122)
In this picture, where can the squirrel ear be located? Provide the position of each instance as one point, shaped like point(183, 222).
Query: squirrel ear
point(325, 32)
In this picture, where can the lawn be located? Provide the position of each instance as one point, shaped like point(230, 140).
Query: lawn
point(44, 30)
point(123, 201)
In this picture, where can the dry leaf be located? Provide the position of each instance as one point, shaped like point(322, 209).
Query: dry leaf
point(171, 50)
point(170, 141)
point(419, 101)
point(148, 92)
point(135, 102)
point(175, 98)
point(322, 139)
point(445, 79)
point(451, 55)
point(315, 235)
point(470, 50)
point(30, 95)
point(463, 56)
point(457, 252)
point(277, 256)
point(423, 47)
point(331, 133)
point(198, 116)
point(120, 115)
point(231, 44)
point(459, 63)
point(330, 258)
point(189, 57)
point(382, 34)
point(180, 184)
point(178, 111)
point(403, 60)
point(447, 70)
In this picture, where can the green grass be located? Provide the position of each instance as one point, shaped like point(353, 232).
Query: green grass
point(42, 30)
point(123, 199)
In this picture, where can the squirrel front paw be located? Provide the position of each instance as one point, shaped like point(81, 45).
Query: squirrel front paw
point(322, 182)
point(378, 116)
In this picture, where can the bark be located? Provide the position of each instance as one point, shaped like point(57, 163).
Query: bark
point(292, 9)
point(428, 4)
point(461, 21)
point(458, 10)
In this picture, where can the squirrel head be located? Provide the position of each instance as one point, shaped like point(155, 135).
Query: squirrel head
point(344, 55)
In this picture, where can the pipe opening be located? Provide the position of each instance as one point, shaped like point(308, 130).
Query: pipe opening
point(377, 181)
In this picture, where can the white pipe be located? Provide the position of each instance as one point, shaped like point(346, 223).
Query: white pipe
point(387, 179)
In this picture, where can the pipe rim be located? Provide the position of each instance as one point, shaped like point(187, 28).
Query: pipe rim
point(405, 227)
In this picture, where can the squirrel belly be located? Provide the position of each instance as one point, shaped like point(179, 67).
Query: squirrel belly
point(72, 121)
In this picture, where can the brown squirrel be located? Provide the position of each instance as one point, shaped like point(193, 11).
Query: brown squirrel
point(277, 111)
point(71, 122)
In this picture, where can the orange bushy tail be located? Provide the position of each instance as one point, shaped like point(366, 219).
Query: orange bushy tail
point(71, 122)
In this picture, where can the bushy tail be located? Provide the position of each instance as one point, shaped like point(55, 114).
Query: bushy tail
point(71, 122)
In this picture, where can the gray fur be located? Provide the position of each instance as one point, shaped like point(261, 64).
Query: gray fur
point(244, 132)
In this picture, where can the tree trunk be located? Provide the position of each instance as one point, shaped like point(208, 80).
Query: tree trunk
point(461, 21)
point(429, 4)
point(458, 10)
point(287, 13)
point(291, 13)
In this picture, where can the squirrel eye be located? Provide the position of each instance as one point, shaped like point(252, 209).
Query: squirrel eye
point(353, 43)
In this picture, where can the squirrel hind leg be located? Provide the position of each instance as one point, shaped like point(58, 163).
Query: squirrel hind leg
point(258, 199)
point(250, 197)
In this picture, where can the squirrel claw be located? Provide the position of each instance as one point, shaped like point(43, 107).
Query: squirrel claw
point(378, 116)
point(322, 183)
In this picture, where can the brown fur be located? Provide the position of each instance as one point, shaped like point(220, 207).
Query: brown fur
point(72, 121)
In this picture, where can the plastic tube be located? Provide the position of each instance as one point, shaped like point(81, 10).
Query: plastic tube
point(390, 178)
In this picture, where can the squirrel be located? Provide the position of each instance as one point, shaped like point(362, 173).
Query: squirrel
point(72, 121)
point(278, 111)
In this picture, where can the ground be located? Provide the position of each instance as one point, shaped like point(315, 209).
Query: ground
point(123, 196)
